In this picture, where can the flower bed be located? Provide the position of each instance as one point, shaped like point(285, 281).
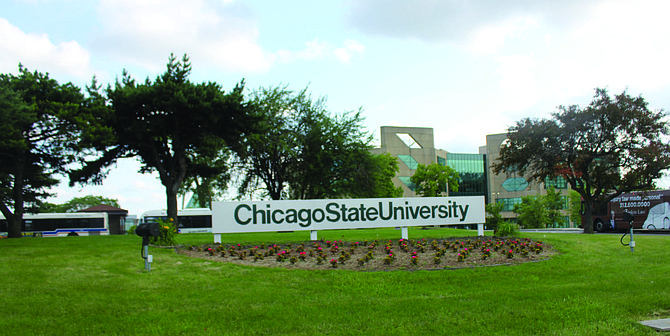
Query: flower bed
point(379, 255)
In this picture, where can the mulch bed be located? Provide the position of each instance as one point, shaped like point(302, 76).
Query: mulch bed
point(422, 254)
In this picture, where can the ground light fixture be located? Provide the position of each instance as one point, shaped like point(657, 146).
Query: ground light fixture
point(628, 217)
point(146, 230)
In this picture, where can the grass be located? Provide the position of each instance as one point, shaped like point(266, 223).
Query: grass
point(97, 285)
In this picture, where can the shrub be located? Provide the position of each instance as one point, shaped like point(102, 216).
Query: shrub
point(167, 234)
point(507, 229)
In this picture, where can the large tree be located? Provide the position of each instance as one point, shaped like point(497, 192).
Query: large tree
point(272, 152)
point(614, 145)
point(78, 203)
point(433, 180)
point(39, 135)
point(166, 123)
point(209, 177)
point(304, 152)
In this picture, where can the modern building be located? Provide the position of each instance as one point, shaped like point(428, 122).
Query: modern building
point(412, 146)
point(415, 145)
point(509, 188)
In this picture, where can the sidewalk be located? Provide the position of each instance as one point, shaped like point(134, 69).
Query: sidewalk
point(557, 230)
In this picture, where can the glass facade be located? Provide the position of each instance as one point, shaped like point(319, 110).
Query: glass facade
point(471, 169)
point(407, 182)
point(515, 184)
point(408, 140)
point(557, 183)
point(508, 203)
point(409, 161)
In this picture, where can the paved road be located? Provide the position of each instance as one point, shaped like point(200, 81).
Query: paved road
point(636, 232)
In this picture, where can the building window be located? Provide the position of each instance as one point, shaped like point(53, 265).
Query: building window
point(515, 184)
point(408, 140)
point(409, 161)
point(471, 170)
point(566, 202)
point(441, 161)
point(557, 183)
point(407, 182)
point(508, 203)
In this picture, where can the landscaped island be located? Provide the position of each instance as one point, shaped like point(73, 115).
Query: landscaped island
point(379, 255)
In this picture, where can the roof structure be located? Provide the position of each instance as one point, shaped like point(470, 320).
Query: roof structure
point(106, 208)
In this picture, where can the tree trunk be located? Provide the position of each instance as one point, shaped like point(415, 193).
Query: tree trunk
point(172, 205)
point(587, 222)
point(14, 226)
point(15, 220)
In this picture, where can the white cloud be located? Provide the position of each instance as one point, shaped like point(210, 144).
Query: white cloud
point(455, 21)
point(349, 50)
point(489, 39)
point(37, 52)
point(318, 49)
point(222, 34)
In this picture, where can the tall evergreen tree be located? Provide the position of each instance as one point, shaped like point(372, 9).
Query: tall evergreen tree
point(166, 123)
point(40, 135)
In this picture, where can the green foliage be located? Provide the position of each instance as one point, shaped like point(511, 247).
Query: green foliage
point(531, 212)
point(40, 134)
point(382, 171)
point(614, 145)
point(432, 180)
point(507, 229)
point(553, 203)
point(167, 123)
point(541, 211)
point(78, 203)
point(304, 152)
point(167, 234)
point(493, 216)
point(208, 176)
point(575, 207)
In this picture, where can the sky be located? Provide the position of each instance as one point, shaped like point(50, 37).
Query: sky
point(464, 68)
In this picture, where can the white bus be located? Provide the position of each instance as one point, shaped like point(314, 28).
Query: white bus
point(190, 220)
point(61, 224)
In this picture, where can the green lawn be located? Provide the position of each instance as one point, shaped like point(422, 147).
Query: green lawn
point(97, 285)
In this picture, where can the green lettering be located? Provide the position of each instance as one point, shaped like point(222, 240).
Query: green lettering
point(353, 215)
point(343, 209)
point(332, 212)
point(274, 218)
point(425, 212)
point(362, 208)
point(464, 212)
point(320, 211)
point(381, 211)
point(305, 216)
point(291, 216)
point(414, 213)
point(237, 214)
point(443, 211)
point(371, 213)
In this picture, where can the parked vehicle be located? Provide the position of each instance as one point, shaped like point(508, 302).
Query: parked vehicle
point(650, 208)
point(190, 220)
point(62, 224)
